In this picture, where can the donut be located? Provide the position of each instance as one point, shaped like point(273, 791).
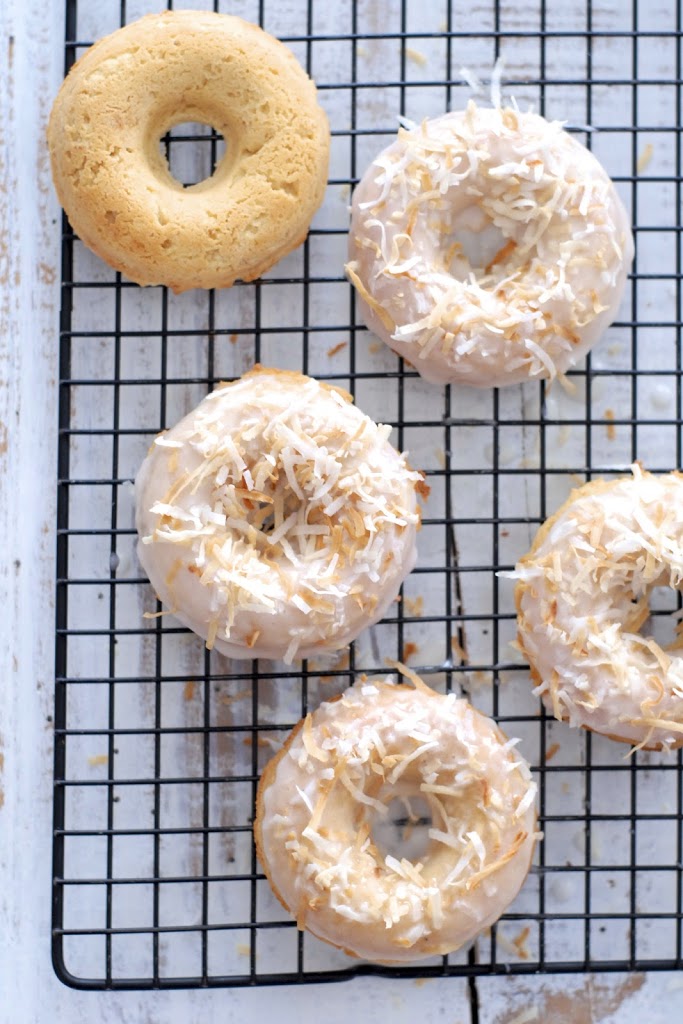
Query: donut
point(276, 520)
point(134, 85)
point(582, 596)
point(321, 795)
point(534, 305)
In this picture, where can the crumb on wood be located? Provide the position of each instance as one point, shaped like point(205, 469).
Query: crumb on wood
point(233, 339)
point(645, 158)
point(563, 435)
point(416, 56)
point(98, 760)
point(339, 347)
point(230, 698)
point(414, 606)
point(423, 488)
point(551, 751)
point(611, 429)
point(409, 650)
point(519, 942)
point(243, 949)
point(458, 649)
point(189, 690)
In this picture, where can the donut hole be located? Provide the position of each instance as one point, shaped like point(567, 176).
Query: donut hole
point(260, 513)
point(404, 830)
point(262, 516)
point(662, 623)
point(192, 150)
point(475, 245)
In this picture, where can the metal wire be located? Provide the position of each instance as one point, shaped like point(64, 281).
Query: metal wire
point(158, 743)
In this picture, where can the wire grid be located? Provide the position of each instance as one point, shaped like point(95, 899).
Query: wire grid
point(159, 744)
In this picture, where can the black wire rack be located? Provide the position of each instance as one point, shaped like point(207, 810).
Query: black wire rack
point(158, 743)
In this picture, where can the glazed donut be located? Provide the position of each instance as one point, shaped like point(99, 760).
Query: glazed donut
point(134, 85)
point(582, 596)
point(541, 301)
point(321, 795)
point(276, 520)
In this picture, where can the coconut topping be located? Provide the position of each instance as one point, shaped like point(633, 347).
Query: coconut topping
point(291, 515)
point(582, 597)
point(541, 300)
point(315, 831)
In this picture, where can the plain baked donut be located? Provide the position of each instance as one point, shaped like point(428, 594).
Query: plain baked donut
point(542, 299)
point(320, 796)
point(582, 598)
point(276, 520)
point(134, 85)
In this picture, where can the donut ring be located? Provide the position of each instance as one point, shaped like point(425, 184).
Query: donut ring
point(541, 301)
point(276, 520)
point(582, 596)
point(134, 85)
point(319, 797)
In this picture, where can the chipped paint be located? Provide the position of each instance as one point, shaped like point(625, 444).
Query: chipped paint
point(592, 1001)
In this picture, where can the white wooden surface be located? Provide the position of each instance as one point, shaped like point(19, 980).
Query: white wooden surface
point(31, 37)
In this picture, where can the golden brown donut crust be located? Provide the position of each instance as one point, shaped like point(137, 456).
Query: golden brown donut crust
point(134, 85)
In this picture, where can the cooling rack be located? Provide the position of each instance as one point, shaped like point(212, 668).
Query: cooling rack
point(159, 744)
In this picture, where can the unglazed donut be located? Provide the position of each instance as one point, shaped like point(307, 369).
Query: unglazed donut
point(582, 596)
point(548, 293)
point(276, 520)
point(134, 85)
point(338, 771)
